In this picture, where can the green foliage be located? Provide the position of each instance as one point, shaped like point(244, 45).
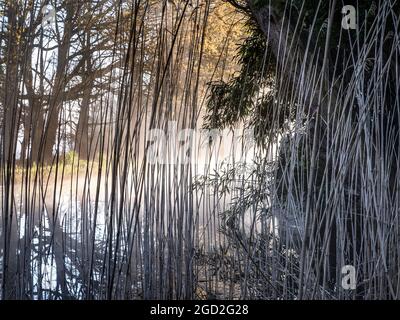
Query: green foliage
point(70, 157)
point(234, 100)
point(277, 4)
point(243, 98)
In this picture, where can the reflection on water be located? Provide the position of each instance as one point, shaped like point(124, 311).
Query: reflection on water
point(70, 246)
point(127, 236)
point(74, 233)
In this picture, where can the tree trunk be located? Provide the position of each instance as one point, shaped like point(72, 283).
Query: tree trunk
point(57, 96)
point(33, 120)
point(82, 131)
point(9, 135)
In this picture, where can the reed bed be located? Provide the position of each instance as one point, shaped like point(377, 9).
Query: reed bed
point(276, 217)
